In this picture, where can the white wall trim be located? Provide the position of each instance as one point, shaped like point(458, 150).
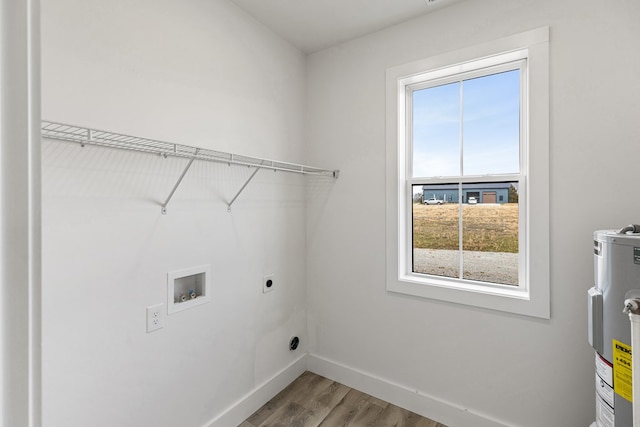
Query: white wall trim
point(421, 403)
point(20, 207)
point(261, 394)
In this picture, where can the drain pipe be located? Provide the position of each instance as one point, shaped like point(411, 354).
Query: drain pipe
point(632, 307)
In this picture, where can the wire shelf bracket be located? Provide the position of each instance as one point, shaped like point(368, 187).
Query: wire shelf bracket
point(87, 136)
point(175, 187)
point(241, 189)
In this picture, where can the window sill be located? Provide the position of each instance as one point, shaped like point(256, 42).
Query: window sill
point(477, 294)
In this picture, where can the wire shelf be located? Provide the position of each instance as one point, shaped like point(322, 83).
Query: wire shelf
point(87, 136)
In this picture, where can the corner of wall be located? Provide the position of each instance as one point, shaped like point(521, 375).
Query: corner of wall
point(252, 401)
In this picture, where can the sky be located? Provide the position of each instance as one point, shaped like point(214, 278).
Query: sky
point(490, 120)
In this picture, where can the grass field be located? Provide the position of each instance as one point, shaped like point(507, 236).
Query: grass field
point(485, 228)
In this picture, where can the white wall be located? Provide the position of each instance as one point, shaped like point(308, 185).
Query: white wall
point(196, 72)
point(515, 370)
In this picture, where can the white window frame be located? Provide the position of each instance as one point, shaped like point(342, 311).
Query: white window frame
point(531, 296)
point(488, 66)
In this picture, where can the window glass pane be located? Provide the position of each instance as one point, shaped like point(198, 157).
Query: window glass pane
point(490, 232)
point(436, 243)
point(436, 131)
point(491, 124)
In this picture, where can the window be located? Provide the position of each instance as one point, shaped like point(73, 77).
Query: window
point(465, 142)
point(467, 178)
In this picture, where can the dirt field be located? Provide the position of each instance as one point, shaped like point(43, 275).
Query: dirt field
point(494, 267)
point(490, 241)
point(485, 228)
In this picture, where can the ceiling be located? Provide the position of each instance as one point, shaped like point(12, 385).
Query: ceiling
point(312, 25)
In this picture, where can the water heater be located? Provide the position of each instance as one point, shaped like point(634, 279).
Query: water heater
point(617, 278)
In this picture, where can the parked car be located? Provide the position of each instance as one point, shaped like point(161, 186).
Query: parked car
point(472, 201)
point(433, 201)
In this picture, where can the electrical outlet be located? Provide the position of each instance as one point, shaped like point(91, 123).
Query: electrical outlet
point(268, 283)
point(155, 317)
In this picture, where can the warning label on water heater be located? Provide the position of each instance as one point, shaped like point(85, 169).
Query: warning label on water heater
point(622, 382)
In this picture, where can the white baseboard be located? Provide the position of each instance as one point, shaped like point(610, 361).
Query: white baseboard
point(252, 401)
point(447, 413)
point(431, 407)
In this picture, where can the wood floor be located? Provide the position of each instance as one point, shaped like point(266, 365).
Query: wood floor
point(312, 400)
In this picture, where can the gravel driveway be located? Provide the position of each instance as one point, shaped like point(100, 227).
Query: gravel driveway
point(495, 267)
